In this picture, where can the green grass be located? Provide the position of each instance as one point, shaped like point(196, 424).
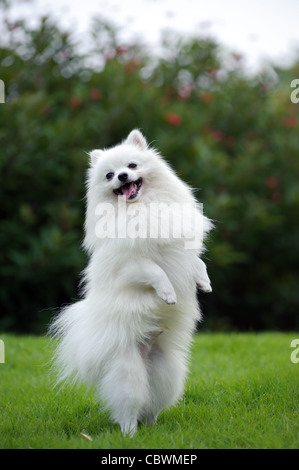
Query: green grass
point(242, 392)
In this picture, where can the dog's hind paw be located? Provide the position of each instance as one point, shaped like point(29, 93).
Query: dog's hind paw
point(149, 419)
point(128, 429)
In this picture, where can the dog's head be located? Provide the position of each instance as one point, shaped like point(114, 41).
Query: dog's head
point(133, 171)
point(125, 170)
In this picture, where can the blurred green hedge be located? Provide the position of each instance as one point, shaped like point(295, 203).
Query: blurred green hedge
point(232, 136)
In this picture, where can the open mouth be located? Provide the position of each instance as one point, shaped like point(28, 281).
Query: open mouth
point(129, 190)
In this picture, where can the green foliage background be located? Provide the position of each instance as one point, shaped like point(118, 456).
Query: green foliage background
point(232, 136)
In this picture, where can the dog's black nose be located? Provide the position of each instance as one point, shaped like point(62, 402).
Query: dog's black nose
point(123, 177)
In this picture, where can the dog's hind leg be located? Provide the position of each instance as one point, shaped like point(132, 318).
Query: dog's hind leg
point(124, 389)
point(166, 373)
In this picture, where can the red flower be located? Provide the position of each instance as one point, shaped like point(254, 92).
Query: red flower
point(173, 119)
point(216, 135)
point(206, 97)
point(45, 110)
point(290, 121)
point(94, 94)
point(131, 66)
point(212, 71)
point(271, 182)
point(276, 197)
point(264, 87)
point(75, 101)
point(230, 140)
point(120, 50)
point(236, 57)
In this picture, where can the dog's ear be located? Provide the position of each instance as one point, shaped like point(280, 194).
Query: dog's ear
point(94, 155)
point(136, 138)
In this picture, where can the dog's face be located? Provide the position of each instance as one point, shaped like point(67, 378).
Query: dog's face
point(124, 170)
point(122, 175)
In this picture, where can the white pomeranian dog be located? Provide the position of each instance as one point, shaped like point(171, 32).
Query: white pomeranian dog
point(130, 335)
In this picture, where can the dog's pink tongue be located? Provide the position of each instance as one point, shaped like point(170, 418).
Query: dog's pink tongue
point(128, 190)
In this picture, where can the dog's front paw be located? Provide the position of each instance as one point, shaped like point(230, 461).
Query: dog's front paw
point(204, 285)
point(201, 277)
point(167, 293)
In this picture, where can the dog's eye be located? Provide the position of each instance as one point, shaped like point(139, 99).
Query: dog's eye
point(132, 165)
point(109, 175)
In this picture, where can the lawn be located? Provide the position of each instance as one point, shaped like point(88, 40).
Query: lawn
point(242, 392)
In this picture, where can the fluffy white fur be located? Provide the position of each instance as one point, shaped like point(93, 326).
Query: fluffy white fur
point(130, 334)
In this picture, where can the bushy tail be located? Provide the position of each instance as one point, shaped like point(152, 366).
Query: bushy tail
point(66, 342)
